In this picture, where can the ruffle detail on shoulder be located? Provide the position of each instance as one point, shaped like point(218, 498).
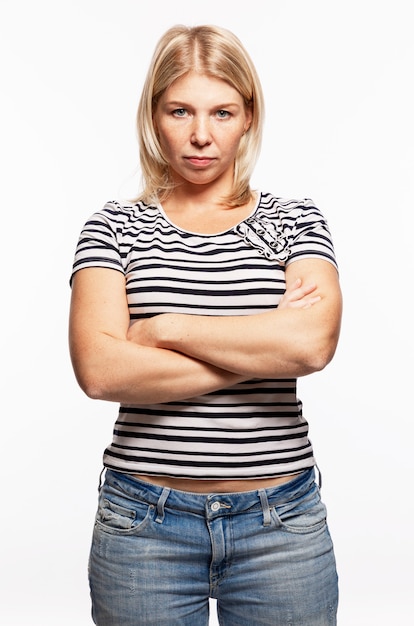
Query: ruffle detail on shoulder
point(270, 237)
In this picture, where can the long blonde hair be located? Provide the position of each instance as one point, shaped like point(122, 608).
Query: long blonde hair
point(215, 52)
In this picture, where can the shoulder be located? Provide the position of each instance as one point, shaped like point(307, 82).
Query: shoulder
point(302, 229)
point(108, 235)
point(289, 207)
point(119, 217)
point(291, 212)
point(118, 211)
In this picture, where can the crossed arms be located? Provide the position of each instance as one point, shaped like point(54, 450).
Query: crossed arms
point(174, 356)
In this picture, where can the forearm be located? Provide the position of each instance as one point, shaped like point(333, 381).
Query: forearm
point(109, 366)
point(281, 343)
point(295, 339)
point(121, 371)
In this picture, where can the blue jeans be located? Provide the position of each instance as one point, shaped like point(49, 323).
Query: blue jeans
point(158, 555)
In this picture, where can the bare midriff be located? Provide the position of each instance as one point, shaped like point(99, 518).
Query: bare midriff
point(215, 486)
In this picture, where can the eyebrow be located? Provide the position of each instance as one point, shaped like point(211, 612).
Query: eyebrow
point(183, 104)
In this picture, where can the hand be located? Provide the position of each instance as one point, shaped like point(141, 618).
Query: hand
point(298, 296)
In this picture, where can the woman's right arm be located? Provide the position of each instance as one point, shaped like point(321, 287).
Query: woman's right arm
point(110, 367)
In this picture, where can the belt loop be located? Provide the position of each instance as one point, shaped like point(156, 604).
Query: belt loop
point(100, 480)
point(160, 505)
point(319, 476)
point(265, 506)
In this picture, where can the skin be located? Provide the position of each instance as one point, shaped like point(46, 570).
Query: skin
point(200, 121)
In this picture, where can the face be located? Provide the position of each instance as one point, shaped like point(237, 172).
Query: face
point(200, 121)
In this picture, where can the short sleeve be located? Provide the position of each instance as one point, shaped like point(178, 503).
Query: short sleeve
point(310, 235)
point(98, 244)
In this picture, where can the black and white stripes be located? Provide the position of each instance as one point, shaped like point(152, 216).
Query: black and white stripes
point(253, 429)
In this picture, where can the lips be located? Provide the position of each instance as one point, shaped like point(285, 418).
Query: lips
point(199, 161)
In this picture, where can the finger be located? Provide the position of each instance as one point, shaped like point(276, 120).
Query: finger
point(303, 303)
point(307, 289)
point(297, 293)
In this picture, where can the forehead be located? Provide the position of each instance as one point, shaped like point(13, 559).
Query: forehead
point(197, 87)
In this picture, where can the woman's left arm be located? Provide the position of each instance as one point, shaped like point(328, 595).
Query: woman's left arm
point(287, 342)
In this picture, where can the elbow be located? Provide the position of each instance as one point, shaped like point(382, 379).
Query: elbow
point(92, 388)
point(320, 343)
point(92, 383)
point(94, 391)
point(320, 359)
point(319, 355)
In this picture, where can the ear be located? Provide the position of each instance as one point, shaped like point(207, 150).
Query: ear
point(249, 119)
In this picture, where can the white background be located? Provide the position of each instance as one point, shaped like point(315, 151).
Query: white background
point(338, 82)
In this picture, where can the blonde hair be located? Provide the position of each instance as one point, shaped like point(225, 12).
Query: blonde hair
point(215, 52)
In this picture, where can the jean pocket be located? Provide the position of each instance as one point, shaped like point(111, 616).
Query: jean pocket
point(305, 515)
point(117, 519)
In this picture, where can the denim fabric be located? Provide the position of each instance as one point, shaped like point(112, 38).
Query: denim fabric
point(158, 555)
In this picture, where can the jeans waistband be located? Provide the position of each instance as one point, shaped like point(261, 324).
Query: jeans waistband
point(219, 503)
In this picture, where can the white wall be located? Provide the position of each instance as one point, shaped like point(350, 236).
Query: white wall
point(338, 79)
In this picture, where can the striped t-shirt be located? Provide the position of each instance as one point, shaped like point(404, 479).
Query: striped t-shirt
point(249, 430)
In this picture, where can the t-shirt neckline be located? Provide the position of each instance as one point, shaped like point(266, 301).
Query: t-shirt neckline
point(223, 232)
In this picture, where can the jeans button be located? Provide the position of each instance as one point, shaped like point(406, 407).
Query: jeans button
point(215, 506)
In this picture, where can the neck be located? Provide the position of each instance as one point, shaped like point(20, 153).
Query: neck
point(191, 195)
point(203, 214)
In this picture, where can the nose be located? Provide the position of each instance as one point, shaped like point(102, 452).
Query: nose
point(201, 132)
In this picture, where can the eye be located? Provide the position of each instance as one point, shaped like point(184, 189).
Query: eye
point(223, 114)
point(179, 112)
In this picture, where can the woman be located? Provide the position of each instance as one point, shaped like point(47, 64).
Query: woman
point(196, 309)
